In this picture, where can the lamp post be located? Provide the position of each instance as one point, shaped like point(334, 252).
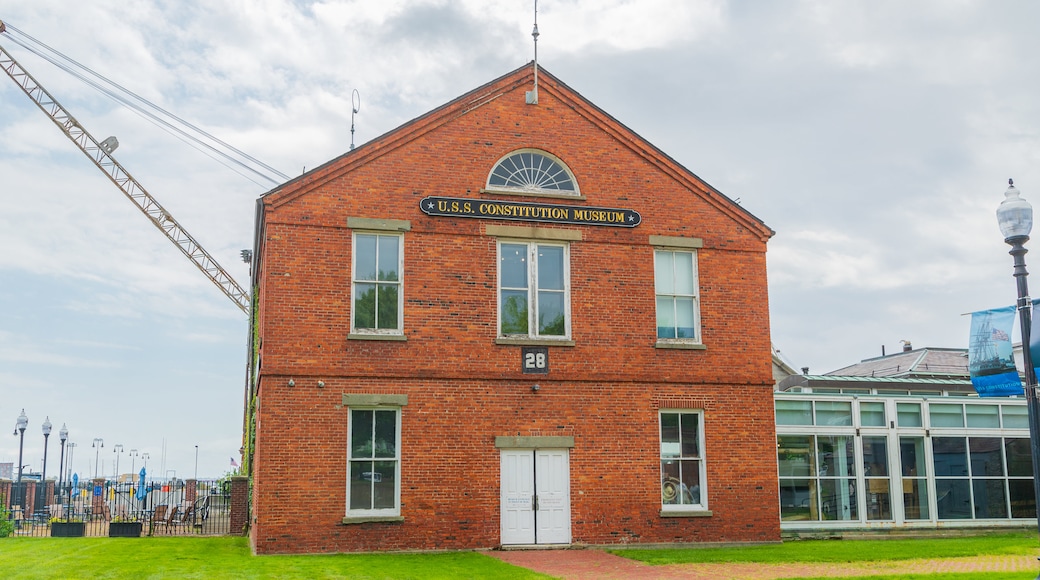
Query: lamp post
point(42, 494)
point(133, 462)
point(118, 450)
point(97, 445)
point(63, 436)
point(144, 457)
point(19, 429)
point(1015, 218)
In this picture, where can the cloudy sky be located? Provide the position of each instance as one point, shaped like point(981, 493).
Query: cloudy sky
point(875, 137)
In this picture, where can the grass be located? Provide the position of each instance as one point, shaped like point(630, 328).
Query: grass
point(845, 550)
point(227, 558)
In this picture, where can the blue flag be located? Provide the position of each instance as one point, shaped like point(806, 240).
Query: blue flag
point(991, 363)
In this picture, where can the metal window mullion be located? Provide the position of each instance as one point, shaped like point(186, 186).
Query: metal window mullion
point(532, 290)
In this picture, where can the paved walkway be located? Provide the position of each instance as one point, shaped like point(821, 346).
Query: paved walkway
point(597, 564)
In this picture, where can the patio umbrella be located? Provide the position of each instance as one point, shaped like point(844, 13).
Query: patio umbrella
point(141, 490)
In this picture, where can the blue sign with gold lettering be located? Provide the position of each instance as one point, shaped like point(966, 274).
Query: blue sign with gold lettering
point(527, 211)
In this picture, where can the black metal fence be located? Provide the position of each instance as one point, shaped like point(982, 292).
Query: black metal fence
point(173, 507)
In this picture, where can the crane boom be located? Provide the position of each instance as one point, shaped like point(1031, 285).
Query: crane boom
point(100, 155)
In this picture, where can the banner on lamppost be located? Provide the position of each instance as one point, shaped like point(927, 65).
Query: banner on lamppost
point(991, 361)
point(1034, 338)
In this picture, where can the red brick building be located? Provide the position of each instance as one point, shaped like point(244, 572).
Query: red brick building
point(509, 323)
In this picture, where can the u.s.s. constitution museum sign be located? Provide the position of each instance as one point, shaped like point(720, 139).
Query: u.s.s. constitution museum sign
point(526, 211)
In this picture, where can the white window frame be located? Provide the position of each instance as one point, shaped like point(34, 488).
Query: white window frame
point(702, 467)
point(531, 189)
point(379, 512)
point(354, 281)
point(695, 297)
point(532, 290)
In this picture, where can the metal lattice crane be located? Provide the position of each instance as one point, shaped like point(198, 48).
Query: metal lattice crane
point(100, 153)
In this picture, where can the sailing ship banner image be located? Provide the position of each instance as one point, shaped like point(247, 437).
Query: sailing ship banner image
point(991, 362)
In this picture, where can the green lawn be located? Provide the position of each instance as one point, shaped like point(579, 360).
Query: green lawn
point(226, 558)
point(847, 550)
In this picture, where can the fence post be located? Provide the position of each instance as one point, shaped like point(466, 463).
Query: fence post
point(239, 504)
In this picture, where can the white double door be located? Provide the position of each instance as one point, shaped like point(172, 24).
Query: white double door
point(536, 500)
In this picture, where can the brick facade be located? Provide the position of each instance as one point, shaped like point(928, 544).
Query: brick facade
point(464, 388)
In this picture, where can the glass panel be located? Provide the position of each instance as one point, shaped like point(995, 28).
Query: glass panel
point(911, 456)
point(389, 252)
point(793, 412)
point(365, 306)
point(795, 456)
point(1016, 417)
point(990, 501)
point(1023, 502)
point(949, 456)
point(386, 306)
point(833, 413)
point(665, 317)
point(550, 267)
point(384, 495)
point(798, 500)
point(361, 434)
point(838, 499)
point(1019, 457)
point(986, 457)
point(361, 485)
point(908, 414)
point(663, 273)
point(983, 416)
point(514, 312)
point(946, 415)
point(684, 318)
point(953, 499)
point(364, 257)
point(680, 482)
point(684, 273)
point(551, 314)
point(689, 433)
point(875, 456)
point(836, 454)
point(670, 444)
point(386, 434)
point(915, 499)
point(872, 414)
point(513, 266)
point(879, 500)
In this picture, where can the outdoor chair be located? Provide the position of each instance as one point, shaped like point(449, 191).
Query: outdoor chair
point(170, 517)
point(56, 510)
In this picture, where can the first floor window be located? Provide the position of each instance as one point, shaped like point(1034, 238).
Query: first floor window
point(682, 461)
point(374, 462)
point(534, 290)
point(377, 295)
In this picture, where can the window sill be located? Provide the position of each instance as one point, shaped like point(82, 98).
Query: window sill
point(686, 513)
point(526, 341)
point(373, 519)
point(679, 345)
point(363, 336)
point(522, 193)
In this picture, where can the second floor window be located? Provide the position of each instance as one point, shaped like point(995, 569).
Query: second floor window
point(377, 292)
point(678, 313)
point(534, 290)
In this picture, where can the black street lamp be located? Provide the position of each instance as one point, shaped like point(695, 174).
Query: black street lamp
point(97, 445)
point(19, 429)
point(118, 450)
point(1015, 217)
point(63, 436)
point(42, 494)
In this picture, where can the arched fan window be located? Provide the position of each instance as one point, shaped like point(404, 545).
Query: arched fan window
point(532, 171)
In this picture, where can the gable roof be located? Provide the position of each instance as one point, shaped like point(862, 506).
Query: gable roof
point(938, 363)
point(512, 81)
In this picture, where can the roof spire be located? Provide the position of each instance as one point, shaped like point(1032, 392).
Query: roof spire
point(532, 96)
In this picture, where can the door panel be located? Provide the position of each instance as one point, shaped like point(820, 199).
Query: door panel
point(517, 497)
point(554, 505)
